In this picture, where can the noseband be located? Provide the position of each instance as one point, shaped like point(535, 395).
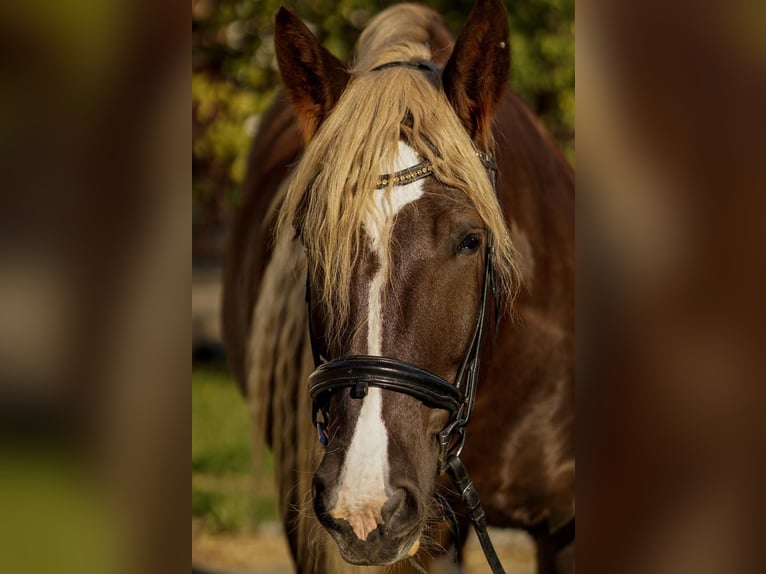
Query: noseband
point(359, 372)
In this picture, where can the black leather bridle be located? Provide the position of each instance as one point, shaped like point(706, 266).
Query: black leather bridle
point(359, 372)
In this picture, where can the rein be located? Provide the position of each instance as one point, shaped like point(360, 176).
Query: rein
point(359, 372)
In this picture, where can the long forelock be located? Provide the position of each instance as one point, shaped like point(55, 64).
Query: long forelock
point(333, 186)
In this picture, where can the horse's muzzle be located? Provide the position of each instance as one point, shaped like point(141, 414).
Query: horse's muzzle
point(389, 541)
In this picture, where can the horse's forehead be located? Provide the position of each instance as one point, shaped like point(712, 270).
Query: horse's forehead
point(406, 156)
point(388, 202)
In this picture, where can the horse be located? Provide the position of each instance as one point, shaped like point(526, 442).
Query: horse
point(402, 262)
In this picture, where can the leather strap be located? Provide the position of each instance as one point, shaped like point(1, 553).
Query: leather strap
point(360, 371)
point(423, 66)
point(470, 497)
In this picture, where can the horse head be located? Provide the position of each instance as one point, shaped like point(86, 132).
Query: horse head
point(393, 200)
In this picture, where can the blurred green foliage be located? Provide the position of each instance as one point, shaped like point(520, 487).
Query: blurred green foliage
point(220, 425)
point(235, 75)
point(228, 493)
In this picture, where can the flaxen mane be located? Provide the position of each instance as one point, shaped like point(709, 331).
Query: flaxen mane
point(333, 186)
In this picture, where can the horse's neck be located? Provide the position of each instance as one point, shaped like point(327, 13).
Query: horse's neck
point(537, 193)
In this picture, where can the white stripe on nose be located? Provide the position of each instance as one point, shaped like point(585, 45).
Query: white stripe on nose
point(364, 476)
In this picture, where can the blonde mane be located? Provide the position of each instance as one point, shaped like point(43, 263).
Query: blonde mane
point(332, 187)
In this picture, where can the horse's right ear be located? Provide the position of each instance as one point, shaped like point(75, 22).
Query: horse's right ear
point(476, 74)
point(314, 79)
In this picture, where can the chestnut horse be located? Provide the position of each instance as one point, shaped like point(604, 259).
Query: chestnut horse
point(411, 199)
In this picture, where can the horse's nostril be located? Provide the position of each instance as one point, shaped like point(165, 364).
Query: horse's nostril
point(401, 510)
point(393, 505)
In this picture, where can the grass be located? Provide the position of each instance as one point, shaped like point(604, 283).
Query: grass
point(226, 495)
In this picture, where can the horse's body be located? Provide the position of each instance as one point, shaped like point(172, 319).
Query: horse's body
point(520, 446)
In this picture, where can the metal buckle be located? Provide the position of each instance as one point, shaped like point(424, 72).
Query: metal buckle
point(320, 425)
point(448, 446)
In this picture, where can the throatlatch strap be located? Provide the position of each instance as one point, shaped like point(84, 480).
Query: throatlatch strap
point(459, 476)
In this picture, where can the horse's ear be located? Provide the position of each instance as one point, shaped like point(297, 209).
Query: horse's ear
point(314, 79)
point(477, 71)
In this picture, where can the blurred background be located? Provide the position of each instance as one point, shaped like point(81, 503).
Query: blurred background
point(234, 79)
point(94, 251)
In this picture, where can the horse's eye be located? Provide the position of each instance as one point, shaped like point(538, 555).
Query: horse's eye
point(470, 243)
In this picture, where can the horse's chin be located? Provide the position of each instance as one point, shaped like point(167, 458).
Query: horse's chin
point(375, 550)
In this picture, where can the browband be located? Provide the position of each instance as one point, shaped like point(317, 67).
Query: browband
point(424, 169)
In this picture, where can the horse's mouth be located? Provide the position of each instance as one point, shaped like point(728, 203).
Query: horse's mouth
point(378, 549)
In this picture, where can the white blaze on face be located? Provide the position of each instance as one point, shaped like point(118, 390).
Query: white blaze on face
point(364, 476)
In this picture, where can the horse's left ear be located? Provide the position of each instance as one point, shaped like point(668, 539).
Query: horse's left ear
point(477, 71)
